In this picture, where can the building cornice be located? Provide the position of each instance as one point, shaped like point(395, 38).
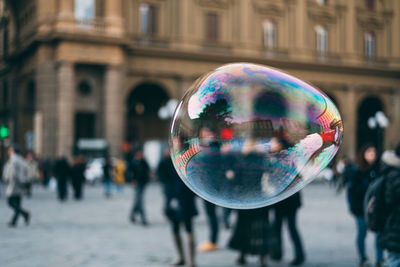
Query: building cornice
point(369, 70)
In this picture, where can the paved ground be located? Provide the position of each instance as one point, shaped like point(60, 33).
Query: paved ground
point(96, 232)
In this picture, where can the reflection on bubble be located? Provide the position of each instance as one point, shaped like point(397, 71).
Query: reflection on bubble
point(246, 136)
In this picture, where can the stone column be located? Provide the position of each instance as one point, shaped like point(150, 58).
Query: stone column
point(114, 108)
point(113, 17)
point(66, 16)
point(66, 110)
point(45, 128)
point(350, 124)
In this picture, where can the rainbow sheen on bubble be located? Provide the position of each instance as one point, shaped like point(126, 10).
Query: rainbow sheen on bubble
point(246, 136)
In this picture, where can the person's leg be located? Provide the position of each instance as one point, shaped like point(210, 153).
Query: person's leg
point(12, 203)
point(140, 205)
point(134, 209)
point(241, 260)
point(226, 214)
point(107, 188)
point(277, 252)
point(378, 251)
point(191, 242)
point(15, 203)
point(295, 236)
point(178, 243)
point(361, 235)
point(212, 221)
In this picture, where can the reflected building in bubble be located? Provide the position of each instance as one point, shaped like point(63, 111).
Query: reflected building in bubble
point(73, 69)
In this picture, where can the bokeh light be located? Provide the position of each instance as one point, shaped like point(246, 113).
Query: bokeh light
point(246, 136)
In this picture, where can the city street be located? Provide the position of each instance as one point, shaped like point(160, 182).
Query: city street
point(96, 232)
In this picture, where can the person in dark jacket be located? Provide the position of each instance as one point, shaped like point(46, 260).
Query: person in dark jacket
point(141, 171)
point(62, 172)
point(180, 209)
point(389, 238)
point(287, 210)
point(78, 177)
point(107, 179)
point(367, 171)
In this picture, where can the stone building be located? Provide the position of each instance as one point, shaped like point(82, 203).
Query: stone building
point(103, 68)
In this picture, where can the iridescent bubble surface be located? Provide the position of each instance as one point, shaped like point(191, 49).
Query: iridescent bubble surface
point(246, 136)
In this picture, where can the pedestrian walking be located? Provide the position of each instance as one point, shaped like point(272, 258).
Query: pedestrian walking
point(389, 238)
point(180, 214)
point(62, 172)
point(367, 171)
point(107, 176)
point(78, 176)
point(15, 174)
point(33, 173)
point(140, 171)
point(119, 174)
point(252, 235)
point(286, 210)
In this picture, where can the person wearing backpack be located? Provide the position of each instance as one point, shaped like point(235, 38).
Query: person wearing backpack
point(367, 171)
point(15, 174)
point(389, 237)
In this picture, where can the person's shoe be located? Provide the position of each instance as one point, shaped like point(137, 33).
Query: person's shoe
point(132, 218)
point(178, 262)
point(145, 223)
point(241, 261)
point(363, 262)
point(12, 225)
point(379, 264)
point(207, 246)
point(297, 262)
point(27, 218)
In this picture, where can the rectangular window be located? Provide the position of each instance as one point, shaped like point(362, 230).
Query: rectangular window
point(148, 19)
point(212, 27)
point(321, 40)
point(269, 29)
point(84, 125)
point(369, 45)
point(84, 9)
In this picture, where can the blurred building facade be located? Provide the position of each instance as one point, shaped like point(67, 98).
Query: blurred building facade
point(104, 68)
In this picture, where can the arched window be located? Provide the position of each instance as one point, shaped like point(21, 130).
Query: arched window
point(148, 18)
point(269, 30)
point(369, 45)
point(321, 39)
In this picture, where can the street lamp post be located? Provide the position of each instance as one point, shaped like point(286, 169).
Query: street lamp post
point(378, 122)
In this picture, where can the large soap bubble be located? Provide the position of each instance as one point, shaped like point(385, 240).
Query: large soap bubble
point(246, 136)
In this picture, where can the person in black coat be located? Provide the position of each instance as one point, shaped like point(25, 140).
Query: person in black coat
point(141, 176)
point(180, 208)
point(367, 171)
point(62, 172)
point(78, 177)
point(107, 178)
point(389, 238)
point(287, 210)
point(251, 234)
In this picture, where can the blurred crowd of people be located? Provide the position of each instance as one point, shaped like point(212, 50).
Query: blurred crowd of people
point(255, 232)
